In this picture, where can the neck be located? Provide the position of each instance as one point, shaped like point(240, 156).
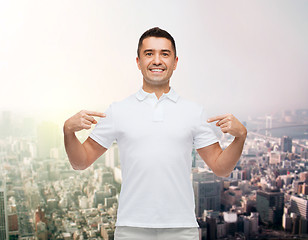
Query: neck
point(157, 89)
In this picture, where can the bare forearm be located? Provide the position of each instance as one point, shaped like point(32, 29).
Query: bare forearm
point(80, 155)
point(228, 159)
point(75, 151)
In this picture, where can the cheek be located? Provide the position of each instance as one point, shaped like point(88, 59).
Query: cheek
point(171, 65)
point(143, 65)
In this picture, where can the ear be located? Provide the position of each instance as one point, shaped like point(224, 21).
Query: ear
point(175, 63)
point(138, 63)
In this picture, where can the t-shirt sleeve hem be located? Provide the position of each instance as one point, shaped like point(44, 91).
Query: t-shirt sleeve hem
point(197, 146)
point(99, 141)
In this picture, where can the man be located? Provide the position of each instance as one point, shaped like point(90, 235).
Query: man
point(155, 130)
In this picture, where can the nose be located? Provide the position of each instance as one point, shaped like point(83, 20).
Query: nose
point(156, 59)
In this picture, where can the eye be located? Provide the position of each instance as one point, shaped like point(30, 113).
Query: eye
point(149, 54)
point(165, 54)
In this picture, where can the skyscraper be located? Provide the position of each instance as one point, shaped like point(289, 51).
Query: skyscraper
point(299, 205)
point(286, 144)
point(4, 228)
point(207, 196)
point(270, 205)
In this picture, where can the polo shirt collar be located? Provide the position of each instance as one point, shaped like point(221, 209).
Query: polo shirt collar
point(172, 95)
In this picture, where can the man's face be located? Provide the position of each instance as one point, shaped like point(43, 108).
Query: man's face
point(156, 61)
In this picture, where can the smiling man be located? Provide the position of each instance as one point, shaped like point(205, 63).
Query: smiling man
point(157, 61)
point(155, 130)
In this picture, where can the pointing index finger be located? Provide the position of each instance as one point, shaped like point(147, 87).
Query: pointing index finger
point(96, 114)
point(220, 117)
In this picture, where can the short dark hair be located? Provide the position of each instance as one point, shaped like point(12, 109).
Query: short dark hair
point(156, 32)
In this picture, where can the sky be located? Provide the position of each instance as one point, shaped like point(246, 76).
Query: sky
point(247, 58)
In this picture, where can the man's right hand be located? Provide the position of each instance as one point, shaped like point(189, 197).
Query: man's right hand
point(81, 120)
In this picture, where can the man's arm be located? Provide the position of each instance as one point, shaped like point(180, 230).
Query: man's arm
point(222, 162)
point(81, 156)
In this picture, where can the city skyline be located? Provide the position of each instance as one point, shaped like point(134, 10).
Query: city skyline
point(266, 194)
point(245, 58)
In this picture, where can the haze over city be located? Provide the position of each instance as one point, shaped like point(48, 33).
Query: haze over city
point(247, 58)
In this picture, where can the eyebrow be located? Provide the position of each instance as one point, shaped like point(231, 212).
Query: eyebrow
point(152, 50)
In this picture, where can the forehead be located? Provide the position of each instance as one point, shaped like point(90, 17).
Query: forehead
point(156, 43)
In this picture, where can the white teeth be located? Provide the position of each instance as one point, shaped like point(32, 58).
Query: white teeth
point(156, 70)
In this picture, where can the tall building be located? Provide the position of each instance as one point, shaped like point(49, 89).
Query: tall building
point(39, 216)
point(203, 175)
point(13, 222)
point(286, 144)
point(299, 206)
point(41, 232)
point(4, 227)
point(287, 222)
point(207, 196)
point(211, 228)
point(270, 206)
point(275, 158)
point(237, 174)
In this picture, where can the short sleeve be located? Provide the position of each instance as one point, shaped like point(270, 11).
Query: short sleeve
point(104, 132)
point(203, 133)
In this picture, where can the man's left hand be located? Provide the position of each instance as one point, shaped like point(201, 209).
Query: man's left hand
point(229, 124)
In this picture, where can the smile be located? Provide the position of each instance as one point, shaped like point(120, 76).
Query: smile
point(156, 70)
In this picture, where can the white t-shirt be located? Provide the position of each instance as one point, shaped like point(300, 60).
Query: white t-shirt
point(155, 140)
